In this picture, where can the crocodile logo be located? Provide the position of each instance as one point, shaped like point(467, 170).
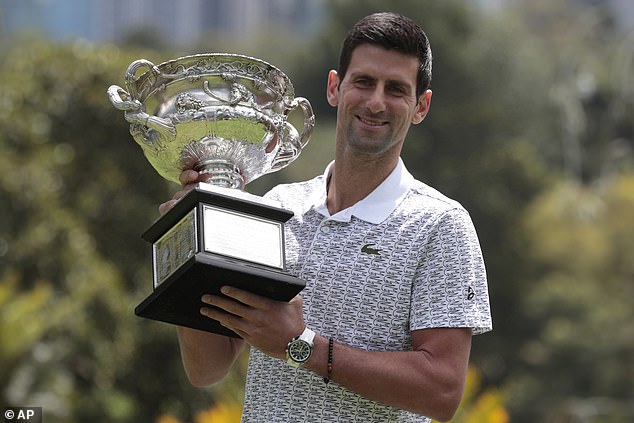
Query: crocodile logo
point(369, 249)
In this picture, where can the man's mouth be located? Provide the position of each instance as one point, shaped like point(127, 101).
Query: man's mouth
point(372, 122)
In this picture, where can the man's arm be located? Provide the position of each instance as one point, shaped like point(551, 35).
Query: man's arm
point(428, 380)
point(207, 357)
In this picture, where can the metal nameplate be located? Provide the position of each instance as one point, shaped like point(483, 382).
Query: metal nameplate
point(243, 236)
point(174, 248)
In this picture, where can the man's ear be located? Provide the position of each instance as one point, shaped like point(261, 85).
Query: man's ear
point(332, 89)
point(422, 108)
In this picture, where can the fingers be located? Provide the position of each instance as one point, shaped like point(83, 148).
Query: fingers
point(248, 301)
point(226, 304)
point(246, 297)
point(164, 207)
point(223, 317)
point(227, 312)
point(239, 308)
point(264, 323)
point(188, 178)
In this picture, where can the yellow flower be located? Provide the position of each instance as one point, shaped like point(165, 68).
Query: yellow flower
point(220, 413)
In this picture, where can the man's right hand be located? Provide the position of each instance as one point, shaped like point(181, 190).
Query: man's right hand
point(188, 178)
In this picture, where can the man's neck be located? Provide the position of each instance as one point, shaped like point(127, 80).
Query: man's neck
point(351, 181)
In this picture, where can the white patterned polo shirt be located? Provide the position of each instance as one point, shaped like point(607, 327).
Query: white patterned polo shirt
point(404, 258)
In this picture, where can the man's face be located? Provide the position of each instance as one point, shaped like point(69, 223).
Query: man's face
point(377, 100)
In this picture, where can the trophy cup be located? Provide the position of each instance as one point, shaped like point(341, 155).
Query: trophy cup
point(226, 116)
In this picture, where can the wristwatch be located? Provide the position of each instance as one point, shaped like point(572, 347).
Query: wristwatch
point(300, 348)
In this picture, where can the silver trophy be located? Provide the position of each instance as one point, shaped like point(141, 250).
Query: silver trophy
point(226, 116)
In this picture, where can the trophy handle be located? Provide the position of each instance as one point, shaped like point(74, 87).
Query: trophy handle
point(121, 100)
point(292, 143)
point(131, 78)
point(135, 112)
point(309, 120)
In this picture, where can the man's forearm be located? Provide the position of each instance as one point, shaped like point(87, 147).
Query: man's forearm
point(417, 381)
point(207, 357)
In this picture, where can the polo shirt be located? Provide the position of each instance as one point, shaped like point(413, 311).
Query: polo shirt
point(403, 258)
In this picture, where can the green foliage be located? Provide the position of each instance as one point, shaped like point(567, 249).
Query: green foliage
point(75, 192)
point(580, 300)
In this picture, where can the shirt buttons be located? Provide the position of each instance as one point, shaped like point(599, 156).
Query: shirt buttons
point(325, 229)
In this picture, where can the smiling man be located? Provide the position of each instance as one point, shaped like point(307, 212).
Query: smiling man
point(395, 280)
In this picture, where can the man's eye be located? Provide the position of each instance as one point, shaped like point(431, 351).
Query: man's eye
point(397, 90)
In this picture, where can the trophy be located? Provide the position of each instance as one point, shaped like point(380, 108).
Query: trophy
point(225, 116)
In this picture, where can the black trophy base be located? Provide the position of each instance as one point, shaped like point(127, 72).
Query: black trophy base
point(177, 299)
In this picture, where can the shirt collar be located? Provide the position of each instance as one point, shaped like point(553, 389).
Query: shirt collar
point(377, 205)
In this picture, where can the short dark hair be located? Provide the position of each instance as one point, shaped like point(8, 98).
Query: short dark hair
point(392, 31)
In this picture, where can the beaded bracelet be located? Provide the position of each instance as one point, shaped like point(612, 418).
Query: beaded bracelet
point(331, 344)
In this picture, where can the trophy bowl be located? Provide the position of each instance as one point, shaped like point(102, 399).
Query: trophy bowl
point(217, 113)
point(225, 116)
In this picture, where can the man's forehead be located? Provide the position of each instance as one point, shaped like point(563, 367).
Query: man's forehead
point(389, 64)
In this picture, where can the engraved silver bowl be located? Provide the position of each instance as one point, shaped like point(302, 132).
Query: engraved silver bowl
point(221, 114)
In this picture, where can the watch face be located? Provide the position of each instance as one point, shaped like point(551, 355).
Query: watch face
point(299, 350)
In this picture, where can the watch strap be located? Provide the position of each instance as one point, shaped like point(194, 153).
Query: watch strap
point(308, 336)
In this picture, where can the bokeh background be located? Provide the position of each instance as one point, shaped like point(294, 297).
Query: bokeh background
point(531, 128)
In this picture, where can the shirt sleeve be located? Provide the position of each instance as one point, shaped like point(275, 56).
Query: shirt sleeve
point(450, 288)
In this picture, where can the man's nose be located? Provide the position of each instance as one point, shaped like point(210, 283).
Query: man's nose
point(376, 101)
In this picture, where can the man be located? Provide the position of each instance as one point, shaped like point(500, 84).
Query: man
point(396, 285)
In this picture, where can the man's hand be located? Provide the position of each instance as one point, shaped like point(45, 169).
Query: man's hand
point(266, 324)
point(188, 178)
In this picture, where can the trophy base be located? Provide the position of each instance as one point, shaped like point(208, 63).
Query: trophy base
point(210, 238)
point(177, 299)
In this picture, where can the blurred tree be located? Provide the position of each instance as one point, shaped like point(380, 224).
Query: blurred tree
point(580, 305)
point(587, 147)
point(75, 191)
point(146, 37)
